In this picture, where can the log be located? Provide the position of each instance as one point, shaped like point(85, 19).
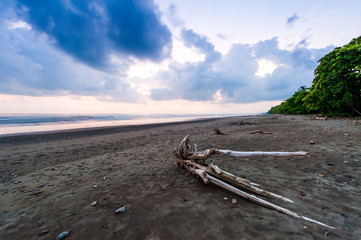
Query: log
point(194, 162)
point(234, 180)
point(261, 201)
point(188, 151)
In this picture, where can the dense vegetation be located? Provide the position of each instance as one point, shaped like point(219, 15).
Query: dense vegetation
point(336, 88)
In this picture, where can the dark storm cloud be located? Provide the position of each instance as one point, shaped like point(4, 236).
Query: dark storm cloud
point(30, 66)
point(92, 30)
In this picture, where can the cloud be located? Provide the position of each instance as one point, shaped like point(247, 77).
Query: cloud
point(172, 16)
point(201, 80)
point(291, 20)
point(91, 31)
point(222, 36)
point(77, 47)
point(162, 94)
point(31, 66)
point(233, 78)
point(192, 39)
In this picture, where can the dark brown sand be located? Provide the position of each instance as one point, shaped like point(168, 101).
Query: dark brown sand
point(48, 182)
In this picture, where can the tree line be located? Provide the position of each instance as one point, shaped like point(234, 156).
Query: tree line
point(336, 87)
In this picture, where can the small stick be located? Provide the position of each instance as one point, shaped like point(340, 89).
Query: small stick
point(259, 132)
point(217, 131)
point(244, 123)
point(36, 193)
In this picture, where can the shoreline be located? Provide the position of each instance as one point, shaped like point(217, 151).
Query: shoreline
point(118, 124)
point(66, 138)
point(48, 181)
point(101, 130)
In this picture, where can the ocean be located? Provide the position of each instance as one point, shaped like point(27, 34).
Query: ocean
point(15, 124)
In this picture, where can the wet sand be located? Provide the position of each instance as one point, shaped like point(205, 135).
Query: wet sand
point(48, 181)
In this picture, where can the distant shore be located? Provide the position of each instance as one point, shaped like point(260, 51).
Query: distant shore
point(11, 125)
point(48, 181)
point(90, 131)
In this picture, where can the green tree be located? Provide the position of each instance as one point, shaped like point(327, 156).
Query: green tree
point(336, 88)
point(293, 105)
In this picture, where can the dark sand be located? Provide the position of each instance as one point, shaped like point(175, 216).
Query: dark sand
point(47, 182)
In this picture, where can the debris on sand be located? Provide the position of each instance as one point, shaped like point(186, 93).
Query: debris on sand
point(321, 118)
point(62, 235)
point(244, 123)
point(194, 162)
point(44, 232)
point(218, 132)
point(70, 214)
point(120, 210)
point(332, 234)
point(259, 132)
point(35, 193)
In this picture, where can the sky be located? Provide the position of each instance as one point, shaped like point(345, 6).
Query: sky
point(163, 56)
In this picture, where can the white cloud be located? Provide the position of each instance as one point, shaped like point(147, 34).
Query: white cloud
point(265, 67)
point(247, 73)
point(18, 24)
point(73, 104)
point(217, 97)
point(215, 67)
point(182, 54)
point(145, 69)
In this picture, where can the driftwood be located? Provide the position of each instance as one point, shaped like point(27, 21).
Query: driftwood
point(243, 123)
point(193, 161)
point(321, 118)
point(35, 193)
point(217, 131)
point(259, 132)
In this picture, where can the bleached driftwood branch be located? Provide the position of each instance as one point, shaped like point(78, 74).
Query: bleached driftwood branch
point(187, 151)
point(232, 179)
point(249, 154)
point(261, 201)
point(193, 161)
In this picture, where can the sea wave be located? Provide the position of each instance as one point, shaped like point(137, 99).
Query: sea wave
point(24, 124)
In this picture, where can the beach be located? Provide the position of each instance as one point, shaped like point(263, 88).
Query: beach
point(50, 180)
